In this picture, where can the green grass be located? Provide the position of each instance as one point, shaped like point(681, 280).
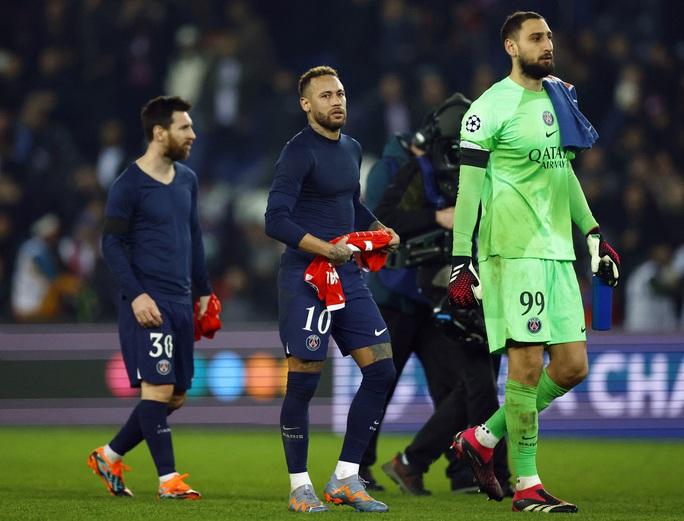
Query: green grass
point(242, 476)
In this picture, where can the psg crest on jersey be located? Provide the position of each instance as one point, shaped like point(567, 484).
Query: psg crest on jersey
point(163, 367)
point(534, 325)
point(547, 117)
point(313, 342)
point(473, 123)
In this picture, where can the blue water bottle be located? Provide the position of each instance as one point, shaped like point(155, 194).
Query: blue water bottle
point(601, 304)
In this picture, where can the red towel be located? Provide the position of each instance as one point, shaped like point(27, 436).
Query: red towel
point(210, 322)
point(323, 277)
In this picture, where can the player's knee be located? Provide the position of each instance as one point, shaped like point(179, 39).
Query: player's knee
point(157, 393)
point(302, 385)
point(379, 376)
point(574, 375)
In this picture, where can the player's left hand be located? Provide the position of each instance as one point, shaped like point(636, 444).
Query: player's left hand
point(605, 261)
point(394, 243)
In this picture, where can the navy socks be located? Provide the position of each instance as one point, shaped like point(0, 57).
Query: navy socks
point(157, 434)
point(129, 436)
point(294, 418)
point(366, 409)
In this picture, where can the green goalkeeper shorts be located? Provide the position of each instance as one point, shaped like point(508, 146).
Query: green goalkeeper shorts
point(531, 300)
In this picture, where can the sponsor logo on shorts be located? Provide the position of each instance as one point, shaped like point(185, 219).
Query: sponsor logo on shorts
point(313, 342)
point(547, 117)
point(534, 325)
point(163, 367)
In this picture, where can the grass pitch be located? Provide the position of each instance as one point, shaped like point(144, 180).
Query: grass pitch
point(242, 475)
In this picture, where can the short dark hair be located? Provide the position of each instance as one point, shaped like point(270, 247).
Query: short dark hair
point(514, 22)
point(159, 111)
point(314, 72)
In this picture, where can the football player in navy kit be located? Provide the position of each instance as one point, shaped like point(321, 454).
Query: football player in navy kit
point(314, 198)
point(153, 244)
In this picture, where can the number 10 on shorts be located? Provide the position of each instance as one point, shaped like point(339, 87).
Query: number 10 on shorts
point(324, 320)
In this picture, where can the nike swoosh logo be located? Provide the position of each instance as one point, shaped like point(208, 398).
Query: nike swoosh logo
point(378, 333)
point(549, 134)
point(583, 330)
point(528, 437)
point(290, 428)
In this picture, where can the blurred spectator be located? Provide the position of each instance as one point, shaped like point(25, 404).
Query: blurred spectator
point(653, 290)
point(39, 285)
point(432, 91)
point(641, 226)
point(187, 71)
point(397, 35)
point(111, 157)
point(279, 118)
point(220, 107)
point(255, 48)
point(45, 151)
point(385, 113)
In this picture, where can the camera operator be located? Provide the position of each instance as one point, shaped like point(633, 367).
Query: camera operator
point(413, 189)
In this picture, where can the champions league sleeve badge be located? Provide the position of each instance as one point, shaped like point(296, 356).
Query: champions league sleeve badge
point(473, 123)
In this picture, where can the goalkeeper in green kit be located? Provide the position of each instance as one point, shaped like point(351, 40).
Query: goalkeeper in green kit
point(517, 141)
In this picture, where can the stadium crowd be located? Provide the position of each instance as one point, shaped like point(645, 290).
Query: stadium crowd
point(70, 71)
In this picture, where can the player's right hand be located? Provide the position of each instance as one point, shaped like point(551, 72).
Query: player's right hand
point(146, 311)
point(464, 287)
point(340, 252)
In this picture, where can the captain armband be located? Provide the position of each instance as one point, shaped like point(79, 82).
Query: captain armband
point(114, 226)
point(473, 155)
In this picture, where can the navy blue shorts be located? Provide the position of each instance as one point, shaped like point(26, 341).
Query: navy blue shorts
point(306, 326)
point(158, 355)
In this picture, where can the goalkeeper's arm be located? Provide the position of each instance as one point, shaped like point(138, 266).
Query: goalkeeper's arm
point(605, 261)
point(579, 208)
point(471, 180)
point(464, 285)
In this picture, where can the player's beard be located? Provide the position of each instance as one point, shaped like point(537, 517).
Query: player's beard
point(327, 121)
point(536, 69)
point(176, 151)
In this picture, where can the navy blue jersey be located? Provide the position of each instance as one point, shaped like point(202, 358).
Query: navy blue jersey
point(152, 240)
point(316, 190)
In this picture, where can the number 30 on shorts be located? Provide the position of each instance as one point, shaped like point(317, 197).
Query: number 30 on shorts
point(528, 301)
point(162, 344)
point(323, 323)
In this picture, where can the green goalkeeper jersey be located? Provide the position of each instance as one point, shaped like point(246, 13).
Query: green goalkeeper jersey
point(526, 196)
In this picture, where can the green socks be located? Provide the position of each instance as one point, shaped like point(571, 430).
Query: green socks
point(547, 391)
point(523, 426)
point(497, 423)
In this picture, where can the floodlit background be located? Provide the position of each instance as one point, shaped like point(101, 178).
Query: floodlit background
point(74, 74)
